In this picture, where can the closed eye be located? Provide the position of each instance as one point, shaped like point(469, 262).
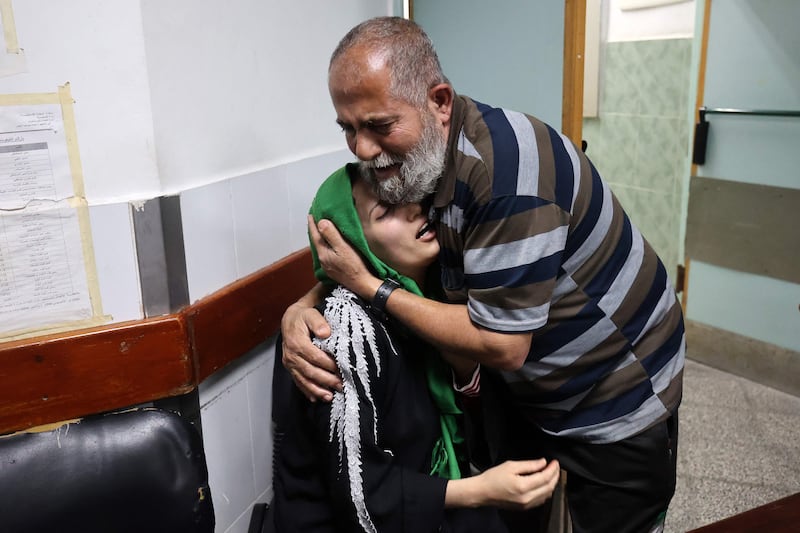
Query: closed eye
point(381, 128)
point(382, 210)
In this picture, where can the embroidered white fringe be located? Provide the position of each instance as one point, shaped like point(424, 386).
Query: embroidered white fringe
point(351, 332)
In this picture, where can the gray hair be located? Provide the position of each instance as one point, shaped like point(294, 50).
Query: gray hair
point(407, 51)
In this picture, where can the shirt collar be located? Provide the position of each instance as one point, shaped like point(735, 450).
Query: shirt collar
point(447, 183)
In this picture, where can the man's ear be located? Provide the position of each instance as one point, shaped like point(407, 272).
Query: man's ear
point(440, 101)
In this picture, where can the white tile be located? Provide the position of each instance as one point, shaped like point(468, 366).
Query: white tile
point(115, 260)
point(265, 497)
point(227, 443)
point(227, 377)
point(208, 237)
point(241, 524)
point(261, 219)
point(303, 179)
point(259, 391)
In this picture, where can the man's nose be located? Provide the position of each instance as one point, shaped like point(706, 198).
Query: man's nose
point(364, 146)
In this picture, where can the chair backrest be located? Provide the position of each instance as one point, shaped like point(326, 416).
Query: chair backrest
point(137, 471)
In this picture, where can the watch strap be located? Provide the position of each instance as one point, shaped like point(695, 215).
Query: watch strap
point(378, 304)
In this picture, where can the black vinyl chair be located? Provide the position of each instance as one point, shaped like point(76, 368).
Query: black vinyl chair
point(137, 471)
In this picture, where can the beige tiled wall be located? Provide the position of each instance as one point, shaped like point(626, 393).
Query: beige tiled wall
point(639, 141)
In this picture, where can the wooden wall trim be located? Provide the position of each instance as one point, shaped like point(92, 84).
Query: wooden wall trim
point(239, 317)
point(62, 376)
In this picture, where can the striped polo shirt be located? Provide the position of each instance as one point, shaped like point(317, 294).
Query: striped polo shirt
point(533, 240)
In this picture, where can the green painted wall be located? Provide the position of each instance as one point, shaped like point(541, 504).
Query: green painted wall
point(505, 54)
point(639, 141)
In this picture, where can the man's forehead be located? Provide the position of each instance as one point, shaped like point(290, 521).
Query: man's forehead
point(361, 57)
point(358, 106)
point(359, 66)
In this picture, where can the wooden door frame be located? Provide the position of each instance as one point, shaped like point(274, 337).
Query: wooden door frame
point(699, 97)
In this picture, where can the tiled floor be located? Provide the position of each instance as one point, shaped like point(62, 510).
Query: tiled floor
point(739, 447)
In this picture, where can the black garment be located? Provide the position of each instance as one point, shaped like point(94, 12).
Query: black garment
point(621, 487)
point(312, 483)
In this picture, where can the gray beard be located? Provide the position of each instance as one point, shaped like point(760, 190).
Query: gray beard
point(420, 168)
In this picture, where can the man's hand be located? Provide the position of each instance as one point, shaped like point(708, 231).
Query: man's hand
point(313, 371)
point(341, 262)
point(519, 485)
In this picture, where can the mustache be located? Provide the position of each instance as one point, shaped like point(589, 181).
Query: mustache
point(383, 160)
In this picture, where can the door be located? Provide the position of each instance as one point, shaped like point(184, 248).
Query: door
point(742, 236)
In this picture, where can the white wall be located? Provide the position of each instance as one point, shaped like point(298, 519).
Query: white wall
point(98, 47)
point(667, 21)
point(241, 86)
point(216, 89)
point(226, 104)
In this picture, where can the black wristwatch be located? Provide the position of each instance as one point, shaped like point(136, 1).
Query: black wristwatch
point(378, 304)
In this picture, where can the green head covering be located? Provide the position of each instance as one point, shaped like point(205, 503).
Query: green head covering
point(334, 201)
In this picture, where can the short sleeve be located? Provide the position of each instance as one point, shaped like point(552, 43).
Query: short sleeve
point(512, 256)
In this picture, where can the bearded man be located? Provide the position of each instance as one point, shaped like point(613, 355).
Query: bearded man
point(546, 279)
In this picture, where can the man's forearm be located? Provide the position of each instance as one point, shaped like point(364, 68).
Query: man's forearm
point(463, 368)
point(446, 326)
point(314, 296)
point(450, 329)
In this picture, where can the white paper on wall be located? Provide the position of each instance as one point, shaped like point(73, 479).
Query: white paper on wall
point(42, 275)
point(47, 275)
point(34, 162)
